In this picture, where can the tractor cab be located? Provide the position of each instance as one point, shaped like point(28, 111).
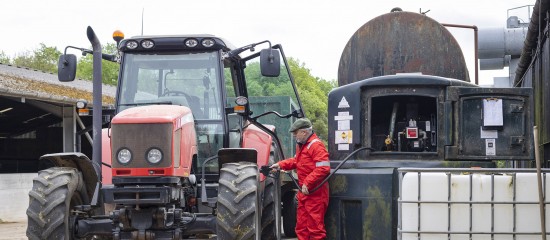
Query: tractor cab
point(207, 75)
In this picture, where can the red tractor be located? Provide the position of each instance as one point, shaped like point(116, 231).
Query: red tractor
point(177, 159)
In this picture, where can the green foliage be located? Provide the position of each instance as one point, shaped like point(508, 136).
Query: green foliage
point(44, 58)
point(109, 69)
point(314, 96)
point(4, 58)
point(313, 91)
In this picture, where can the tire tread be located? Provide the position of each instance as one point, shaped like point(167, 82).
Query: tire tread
point(50, 199)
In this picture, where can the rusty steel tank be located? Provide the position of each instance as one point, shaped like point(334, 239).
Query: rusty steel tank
point(401, 42)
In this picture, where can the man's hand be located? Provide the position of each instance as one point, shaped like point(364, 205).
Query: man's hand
point(305, 190)
point(275, 167)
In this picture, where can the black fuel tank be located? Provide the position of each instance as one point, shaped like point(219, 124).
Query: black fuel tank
point(401, 42)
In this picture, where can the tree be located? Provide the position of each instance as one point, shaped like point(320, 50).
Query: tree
point(313, 91)
point(44, 58)
point(4, 58)
point(109, 69)
point(314, 96)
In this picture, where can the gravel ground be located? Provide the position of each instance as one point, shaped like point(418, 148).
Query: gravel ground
point(16, 231)
point(13, 231)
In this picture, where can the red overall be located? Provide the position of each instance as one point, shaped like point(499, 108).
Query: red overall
point(311, 163)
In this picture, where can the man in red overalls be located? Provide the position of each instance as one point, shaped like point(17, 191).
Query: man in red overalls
point(311, 163)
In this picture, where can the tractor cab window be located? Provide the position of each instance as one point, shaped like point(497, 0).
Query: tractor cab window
point(189, 80)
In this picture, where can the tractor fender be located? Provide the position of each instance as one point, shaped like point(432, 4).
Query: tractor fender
point(80, 162)
point(254, 137)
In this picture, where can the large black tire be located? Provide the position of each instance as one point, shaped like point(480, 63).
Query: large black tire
point(236, 201)
point(54, 192)
point(290, 205)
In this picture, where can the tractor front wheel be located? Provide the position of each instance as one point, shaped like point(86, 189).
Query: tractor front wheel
point(54, 192)
point(237, 201)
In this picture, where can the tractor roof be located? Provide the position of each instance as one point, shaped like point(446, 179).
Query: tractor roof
point(177, 42)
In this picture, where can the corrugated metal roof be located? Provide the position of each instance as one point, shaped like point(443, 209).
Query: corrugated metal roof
point(33, 84)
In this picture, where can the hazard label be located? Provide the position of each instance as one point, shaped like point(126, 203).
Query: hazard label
point(343, 103)
point(342, 137)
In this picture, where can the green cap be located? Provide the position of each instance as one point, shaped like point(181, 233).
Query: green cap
point(300, 124)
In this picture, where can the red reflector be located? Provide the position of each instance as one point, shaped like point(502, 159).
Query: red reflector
point(192, 201)
point(123, 172)
point(156, 172)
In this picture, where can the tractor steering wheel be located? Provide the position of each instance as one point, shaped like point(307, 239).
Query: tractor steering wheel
point(175, 93)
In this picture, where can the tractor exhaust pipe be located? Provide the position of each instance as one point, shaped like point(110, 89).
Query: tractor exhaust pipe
point(97, 94)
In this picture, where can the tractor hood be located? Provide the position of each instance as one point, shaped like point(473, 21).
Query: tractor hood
point(152, 114)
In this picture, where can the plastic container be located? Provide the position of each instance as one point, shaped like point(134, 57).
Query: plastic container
point(444, 211)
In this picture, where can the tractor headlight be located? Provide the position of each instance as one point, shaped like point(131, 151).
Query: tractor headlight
point(241, 100)
point(131, 44)
point(81, 103)
point(147, 44)
point(154, 155)
point(191, 42)
point(124, 156)
point(208, 42)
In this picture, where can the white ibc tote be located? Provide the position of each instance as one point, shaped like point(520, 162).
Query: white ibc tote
point(465, 204)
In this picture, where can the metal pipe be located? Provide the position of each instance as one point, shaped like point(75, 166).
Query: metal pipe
point(81, 124)
point(474, 27)
point(277, 202)
point(530, 41)
point(393, 119)
point(400, 207)
point(399, 141)
point(97, 93)
point(258, 214)
point(472, 170)
point(448, 205)
point(539, 183)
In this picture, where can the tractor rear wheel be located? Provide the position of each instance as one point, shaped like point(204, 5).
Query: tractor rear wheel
point(54, 192)
point(290, 205)
point(236, 201)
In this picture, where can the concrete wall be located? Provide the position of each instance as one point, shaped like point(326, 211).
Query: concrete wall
point(14, 196)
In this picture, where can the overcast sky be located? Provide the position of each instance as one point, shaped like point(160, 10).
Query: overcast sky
point(315, 32)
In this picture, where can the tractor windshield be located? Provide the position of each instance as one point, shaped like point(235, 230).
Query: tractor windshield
point(190, 80)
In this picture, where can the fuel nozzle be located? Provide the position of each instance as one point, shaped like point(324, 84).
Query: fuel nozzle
point(265, 170)
point(389, 143)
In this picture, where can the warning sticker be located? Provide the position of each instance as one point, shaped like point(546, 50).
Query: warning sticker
point(342, 137)
point(490, 147)
point(343, 147)
point(343, 125)
point(343, 103)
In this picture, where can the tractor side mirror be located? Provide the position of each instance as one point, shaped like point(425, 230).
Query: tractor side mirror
point(270, 62)
point(66, 67)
